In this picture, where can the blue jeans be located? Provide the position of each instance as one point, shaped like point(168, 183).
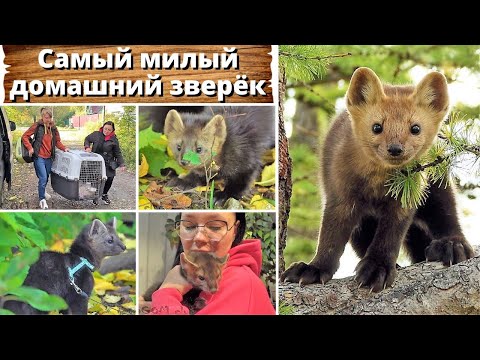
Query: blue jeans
point(43, 167)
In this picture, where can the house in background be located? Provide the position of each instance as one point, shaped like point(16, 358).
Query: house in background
point(93, 113)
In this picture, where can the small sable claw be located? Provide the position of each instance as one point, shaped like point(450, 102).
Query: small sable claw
point(450, 262)
point(323, 282)
point(384, 286)
point(300, 282)
point(359, 286)
point(371, 290)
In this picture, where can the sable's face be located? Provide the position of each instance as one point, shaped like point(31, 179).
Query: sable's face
point(194, 146)
point(395, 131)
point(396, 124)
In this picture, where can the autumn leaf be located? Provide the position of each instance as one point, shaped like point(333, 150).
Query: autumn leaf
point(112, 299)
point(101, 284)
point(58, 246)
point(144, 203)
point(162, 197)
point(259, 203)
point(125, 275)
point(143, 169)
point(268, 176)
point(129, 306)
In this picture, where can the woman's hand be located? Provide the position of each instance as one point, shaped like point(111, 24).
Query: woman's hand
point(122, 168)
point(30, 152)
point(175, 280)
point(67, 149)
point(88, 149)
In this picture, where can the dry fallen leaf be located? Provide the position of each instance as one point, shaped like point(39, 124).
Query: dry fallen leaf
point(164, 198)
point(112, 299)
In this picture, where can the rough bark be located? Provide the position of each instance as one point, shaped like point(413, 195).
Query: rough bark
point(420, 289)
point(284, 175)
point(125, 261)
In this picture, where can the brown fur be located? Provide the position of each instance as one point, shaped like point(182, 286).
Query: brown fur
point(356, 164)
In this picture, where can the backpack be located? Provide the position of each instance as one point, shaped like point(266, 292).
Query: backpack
point(21, 151)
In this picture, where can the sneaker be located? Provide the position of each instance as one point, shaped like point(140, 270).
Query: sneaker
point(105, 199)
point(47, 196)
point(43, 204)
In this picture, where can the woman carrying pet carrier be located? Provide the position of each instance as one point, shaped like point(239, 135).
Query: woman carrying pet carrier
point(105, 143)
point(47, 138)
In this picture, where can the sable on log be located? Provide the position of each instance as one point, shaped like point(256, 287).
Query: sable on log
point(420, 289)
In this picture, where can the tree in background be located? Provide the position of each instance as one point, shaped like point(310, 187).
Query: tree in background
point(315, 79)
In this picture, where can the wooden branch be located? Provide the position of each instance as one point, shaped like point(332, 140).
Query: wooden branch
point(420, 289)
point(124, 261)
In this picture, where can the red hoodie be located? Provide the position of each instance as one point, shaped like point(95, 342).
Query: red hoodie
point(241, 291)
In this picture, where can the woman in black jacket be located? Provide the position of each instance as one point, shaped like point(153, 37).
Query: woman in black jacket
point(105, 143)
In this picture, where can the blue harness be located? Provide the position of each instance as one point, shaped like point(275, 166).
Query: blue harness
point(72, 271)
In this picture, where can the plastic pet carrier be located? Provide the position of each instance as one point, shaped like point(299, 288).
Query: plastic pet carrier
point(78, 175)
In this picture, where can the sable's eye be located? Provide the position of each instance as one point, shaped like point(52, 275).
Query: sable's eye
point(377, 128)
point(110, 241)
point(201, 278)
point(199, 150)
point(415, 129)
point(179, 147)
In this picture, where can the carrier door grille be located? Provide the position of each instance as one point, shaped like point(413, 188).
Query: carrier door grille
point(90, 178)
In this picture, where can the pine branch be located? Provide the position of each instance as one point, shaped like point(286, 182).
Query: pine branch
point(420, 167)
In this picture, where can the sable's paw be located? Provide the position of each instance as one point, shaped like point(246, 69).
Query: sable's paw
point(449, 250)
point(375, 274)
point(305, 274)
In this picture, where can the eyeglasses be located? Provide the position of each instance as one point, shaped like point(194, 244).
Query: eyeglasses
point(215, 230)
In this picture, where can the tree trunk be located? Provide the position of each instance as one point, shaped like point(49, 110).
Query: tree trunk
point(284, 175)
point(305, 126)
point(420, 289)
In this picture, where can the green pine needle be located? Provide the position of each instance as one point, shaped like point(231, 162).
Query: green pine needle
point(410, 186)
point(304, 62)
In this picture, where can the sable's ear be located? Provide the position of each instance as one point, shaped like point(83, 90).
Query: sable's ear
point(97, 228)
point(365, 88)
point(224, 259)
point(113, 223)
point(173, 123)
point(216, 128)
point(185, 261)
point(432, 92)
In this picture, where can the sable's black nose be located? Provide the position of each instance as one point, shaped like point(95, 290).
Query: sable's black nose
point(122, 246)
point(395, 149)
point(185, 162)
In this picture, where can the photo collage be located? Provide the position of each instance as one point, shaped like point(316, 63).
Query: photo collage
point(247, 180)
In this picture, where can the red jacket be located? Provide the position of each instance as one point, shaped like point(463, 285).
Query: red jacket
point(241, 291)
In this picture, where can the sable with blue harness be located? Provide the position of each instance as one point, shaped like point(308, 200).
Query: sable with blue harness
point(72, 271)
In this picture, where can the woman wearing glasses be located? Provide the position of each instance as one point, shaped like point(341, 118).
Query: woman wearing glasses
point(240, 291)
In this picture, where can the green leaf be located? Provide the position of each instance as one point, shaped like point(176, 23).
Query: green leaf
point(34, 236)
point(39, 299)
point(13, 273)
point(6, 312)
point(153, 139)
point(26, 217)
point(192, 157)
point(8, 236)
point(156, 160)
point(171, 163)
point(9, 220)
